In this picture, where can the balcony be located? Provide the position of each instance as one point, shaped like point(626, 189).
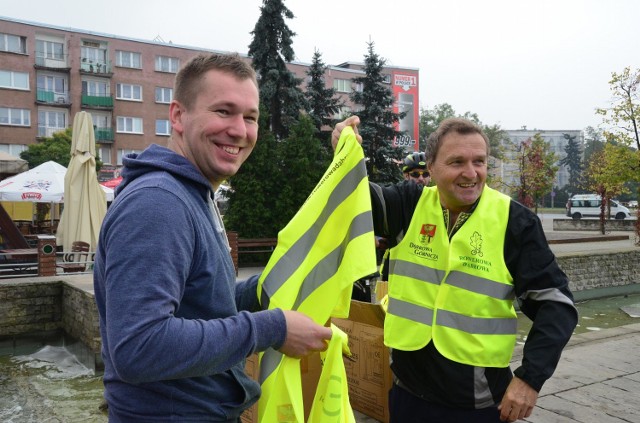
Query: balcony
point(89, 67)
point(97, 102)
point(104, 135)
point(57, 63)
point(52, 98)
point(47, 131)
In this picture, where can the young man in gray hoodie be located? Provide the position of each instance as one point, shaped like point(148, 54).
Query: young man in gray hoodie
point(175, 326)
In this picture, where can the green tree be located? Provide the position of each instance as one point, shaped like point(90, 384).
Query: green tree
point(623, 118)
point(322, 101)
point(537, 171)
point(305, 161)
point(56, 148)
point(573, 161)
point(593, 142)
point(607, 175)
point(270, 49)
point(377, 121)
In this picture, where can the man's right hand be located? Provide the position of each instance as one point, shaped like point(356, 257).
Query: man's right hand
point(352, 121)
point(304, 336)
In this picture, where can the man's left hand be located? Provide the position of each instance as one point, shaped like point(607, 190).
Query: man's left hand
point(518, 401)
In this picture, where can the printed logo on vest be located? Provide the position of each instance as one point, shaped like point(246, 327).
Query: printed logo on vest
point(476, 244)
point(427, 232)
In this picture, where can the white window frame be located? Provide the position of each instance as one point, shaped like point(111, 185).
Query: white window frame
point(52, 83)
point(15, 117)
point(8, 40)
point(342, 85)
point(95, 88)
point(162, 93)
point(94, 54)
point(13, 149)
point(50, 49)
point(129, 59)
point(14, 78)
point(130, 92)
point(129, 125)
point(167, 64)
point(105, 154)
point(51, 121)
point(163, 127)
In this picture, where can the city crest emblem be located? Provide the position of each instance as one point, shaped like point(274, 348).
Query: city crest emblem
point(427, 232)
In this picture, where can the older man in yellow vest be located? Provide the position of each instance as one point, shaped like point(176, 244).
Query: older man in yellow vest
point(466, 252)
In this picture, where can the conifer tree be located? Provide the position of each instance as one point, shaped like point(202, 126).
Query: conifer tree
point(377, 121)
point(322, 101)
point(270, 49)
point(573, 161)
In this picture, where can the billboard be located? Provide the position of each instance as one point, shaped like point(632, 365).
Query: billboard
point(405, 91)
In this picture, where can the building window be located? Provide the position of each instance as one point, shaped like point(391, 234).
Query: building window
point(342, 85)
point(13, 43)
point(95, 88)
point(13, 149)
point(167, 64)
point(11, 79)
point(50, 49)
point(105, 154)
point(128, 59)
point(50, 121)
point(91, 54)
point(129, 92)
point(164, 95)
point(386, 79)
point(18, 117)
point(52, 83)
point(129, 125)
point(163, 127)
point(123, 152)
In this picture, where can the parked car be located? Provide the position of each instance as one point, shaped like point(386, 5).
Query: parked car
point(633, 204)
point(588, 205)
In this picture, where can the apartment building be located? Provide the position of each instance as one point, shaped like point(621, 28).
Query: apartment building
point(557, 139)
point(50, 73)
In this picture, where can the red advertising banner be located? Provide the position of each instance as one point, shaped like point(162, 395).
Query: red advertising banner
point(405, 91)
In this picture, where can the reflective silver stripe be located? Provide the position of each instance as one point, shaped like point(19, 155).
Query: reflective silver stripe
point(270, 360)
point(330, 264)
point(416, 271)
point(550, 294)
point(481, 391)
point(410, 311)
point(282, 270)
point(480, 285)
point(477, 325)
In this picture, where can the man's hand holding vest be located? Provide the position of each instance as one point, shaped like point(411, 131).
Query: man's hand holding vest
point(352, 121)
point(304, 336)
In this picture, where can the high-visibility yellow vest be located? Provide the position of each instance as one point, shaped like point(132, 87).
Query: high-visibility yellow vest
point(323, 250)
point(457, 293)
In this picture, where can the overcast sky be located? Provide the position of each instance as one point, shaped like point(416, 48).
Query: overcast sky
point(540, 63)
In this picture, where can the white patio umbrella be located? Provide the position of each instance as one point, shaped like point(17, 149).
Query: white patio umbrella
point(85, 204)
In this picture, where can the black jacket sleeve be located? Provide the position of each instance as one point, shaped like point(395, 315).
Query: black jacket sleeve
point(542, 292)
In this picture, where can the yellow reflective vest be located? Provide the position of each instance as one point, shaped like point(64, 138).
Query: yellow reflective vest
point(455, 292)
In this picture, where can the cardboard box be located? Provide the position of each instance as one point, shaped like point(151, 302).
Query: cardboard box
point(310, 368)
point(368, 371)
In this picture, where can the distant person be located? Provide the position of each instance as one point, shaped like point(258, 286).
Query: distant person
point(175, 326)
point(414, 168)
point(467, 252)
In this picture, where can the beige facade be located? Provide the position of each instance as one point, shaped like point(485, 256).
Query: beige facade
point(49, 73)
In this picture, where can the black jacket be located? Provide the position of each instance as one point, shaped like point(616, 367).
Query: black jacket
point(542, 292)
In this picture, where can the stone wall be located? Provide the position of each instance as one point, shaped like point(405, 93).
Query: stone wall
point(593, 225)
point(80, 316)
point(32, 305)
point(604, 270)
point(43, 305)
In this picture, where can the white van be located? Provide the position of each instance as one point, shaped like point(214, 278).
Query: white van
point(588, 205)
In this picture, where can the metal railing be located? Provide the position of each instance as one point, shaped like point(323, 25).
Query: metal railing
point(97, 101)
point(95, 67)
point(51, 97)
